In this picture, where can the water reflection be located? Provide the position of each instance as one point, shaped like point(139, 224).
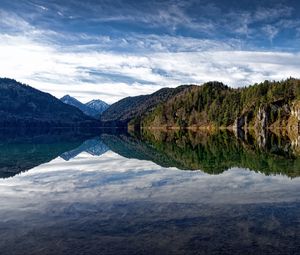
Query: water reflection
point(94, 146)
point(22, 150)
point(212, 153)
point(133, 198)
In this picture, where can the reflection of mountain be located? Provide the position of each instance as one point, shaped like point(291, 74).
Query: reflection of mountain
point(23, 150)
point(93, 146)
point(212, 153)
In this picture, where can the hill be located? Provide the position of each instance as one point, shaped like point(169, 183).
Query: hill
point(24, 106)
point(273, 105)
point(133, 108)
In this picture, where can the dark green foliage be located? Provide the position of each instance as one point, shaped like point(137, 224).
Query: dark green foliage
point(132, 108)
point(24, 106)
point(216, 104)
point(211, 153)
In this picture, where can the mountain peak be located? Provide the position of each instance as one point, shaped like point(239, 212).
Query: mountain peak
point(98, 105)
point(23, 106)
point(68, 97)
point(93, 108)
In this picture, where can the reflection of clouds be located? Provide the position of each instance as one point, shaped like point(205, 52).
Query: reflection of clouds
point(112, 178)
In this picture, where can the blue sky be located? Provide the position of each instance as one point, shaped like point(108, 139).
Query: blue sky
point(113, 49)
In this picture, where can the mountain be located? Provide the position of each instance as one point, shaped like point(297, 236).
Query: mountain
point(98, 106)
point(133, 108)
point(24, 106)
point(67, 99)
point(92, 108)
point(268, 105)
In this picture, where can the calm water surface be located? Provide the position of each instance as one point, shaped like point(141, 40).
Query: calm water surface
point(161, 193)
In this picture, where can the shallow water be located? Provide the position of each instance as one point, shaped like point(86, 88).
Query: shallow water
point(123, 194)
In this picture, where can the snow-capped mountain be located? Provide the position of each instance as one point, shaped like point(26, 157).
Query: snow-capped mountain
point(98, 105)
point(74, 102)
point(92, 108)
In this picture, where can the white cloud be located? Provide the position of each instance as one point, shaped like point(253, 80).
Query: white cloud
point(111, 75)
point(276, 12)
point(270, 31)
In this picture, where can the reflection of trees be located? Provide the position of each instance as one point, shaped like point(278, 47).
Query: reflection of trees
point(21, 150)
point(211, 152)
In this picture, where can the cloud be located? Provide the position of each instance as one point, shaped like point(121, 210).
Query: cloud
point(113, 75)
point(270, 31)
point(127, 51)
point(112, 178)
point(279, 11)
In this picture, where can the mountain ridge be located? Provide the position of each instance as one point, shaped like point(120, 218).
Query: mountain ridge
point(267, 105)
point(24, 106)
point(92, 108)
point(132, 108)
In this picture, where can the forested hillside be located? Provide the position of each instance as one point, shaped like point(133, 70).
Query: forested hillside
point(268, 104)
point(132, 108)
point(24, 106)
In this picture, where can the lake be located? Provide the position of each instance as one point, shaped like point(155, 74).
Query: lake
point(175, 192)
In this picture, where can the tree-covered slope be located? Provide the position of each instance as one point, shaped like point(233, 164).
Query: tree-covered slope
point(268, 104)
point(24, 106)
point(132, 108)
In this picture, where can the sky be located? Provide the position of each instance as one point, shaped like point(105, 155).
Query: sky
point(103, 49)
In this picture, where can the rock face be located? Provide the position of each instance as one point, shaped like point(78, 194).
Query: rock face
point(261, 119)
point(261, 138)
point(294, 121)
point(240, 122)
point(295, 112)
point(261, 125)
point(295, 143)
